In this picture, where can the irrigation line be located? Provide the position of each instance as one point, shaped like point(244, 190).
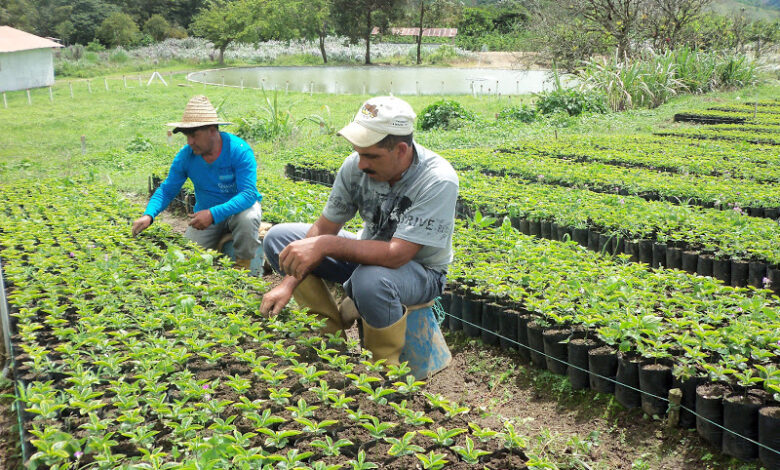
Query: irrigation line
point(5, 323)
point(608, 379)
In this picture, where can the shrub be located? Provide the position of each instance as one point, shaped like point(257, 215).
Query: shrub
point(522, 113)
point(274, 124)
point(445, 114)
point(118, 29)
point(157, 27)
point(95, 46)
point(572, 101)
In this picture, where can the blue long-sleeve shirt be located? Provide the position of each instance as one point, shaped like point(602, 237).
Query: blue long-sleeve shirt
point(225, 187)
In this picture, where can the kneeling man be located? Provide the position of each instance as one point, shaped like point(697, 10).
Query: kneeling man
point(406, 196)
point(223, 170)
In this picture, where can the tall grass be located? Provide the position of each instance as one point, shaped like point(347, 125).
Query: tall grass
point(651, 80)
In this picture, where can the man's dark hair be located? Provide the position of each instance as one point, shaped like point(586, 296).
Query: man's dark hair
point(192, 130)
point(390, 141)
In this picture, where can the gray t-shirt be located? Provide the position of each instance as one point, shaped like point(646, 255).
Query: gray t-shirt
point(419, 208)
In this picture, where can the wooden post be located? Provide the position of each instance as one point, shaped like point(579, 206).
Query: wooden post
point(70, 85)
point(242, 84)
point(105, 82)
point(499, 94)
point(417, 87)
point(124, 79)
point(675, 397)
point(89, 86)
point(51, 95)
point(5, 102)
point(170, 137)
point(83, 145)
point(29, 98)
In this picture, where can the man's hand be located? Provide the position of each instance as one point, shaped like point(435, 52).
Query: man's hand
point(300, 257)
point(201, 219)
point(142, 223)
point(275, 299)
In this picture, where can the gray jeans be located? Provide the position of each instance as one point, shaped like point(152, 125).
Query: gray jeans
point(378, 292)
point(244, 227)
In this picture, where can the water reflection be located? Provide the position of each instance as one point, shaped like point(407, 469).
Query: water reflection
point(376, 80)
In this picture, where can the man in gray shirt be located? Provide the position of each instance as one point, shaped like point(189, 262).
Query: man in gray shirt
point(406, 196)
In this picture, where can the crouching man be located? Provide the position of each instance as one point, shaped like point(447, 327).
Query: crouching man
point(406, 196)
point(223, 170)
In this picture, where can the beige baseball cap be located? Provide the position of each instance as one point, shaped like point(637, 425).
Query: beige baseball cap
point(377, 118)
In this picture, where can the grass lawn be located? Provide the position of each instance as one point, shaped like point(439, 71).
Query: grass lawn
point(125, 132)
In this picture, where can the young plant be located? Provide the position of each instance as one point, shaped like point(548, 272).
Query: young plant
point(377, 429)
point(278, 439)
point(443, 437)
point(315, 427)
point(360, 463)
point(330, 448)
point(432, 461)
point(469, 453)
point(403, 446)
point(410, 386)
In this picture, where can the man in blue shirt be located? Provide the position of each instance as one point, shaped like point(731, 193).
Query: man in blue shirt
point(223, 170)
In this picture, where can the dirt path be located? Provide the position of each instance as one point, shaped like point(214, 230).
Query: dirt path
point(504, 60)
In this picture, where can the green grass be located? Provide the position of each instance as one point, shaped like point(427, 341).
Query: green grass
point(43, 138)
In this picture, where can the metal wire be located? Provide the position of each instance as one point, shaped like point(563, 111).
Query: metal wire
point(698, 416)
point(10, 365)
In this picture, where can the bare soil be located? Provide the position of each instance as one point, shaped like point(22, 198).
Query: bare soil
point(504, 60)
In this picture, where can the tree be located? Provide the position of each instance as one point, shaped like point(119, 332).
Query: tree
point(617, 19)
point(157, 27)
point(14, 13)
point(667, 20)
point(87, 16)
point(314, 17)
point(355, 19)
point(763, 33)
point(45, 15)
point(223, 22)
point(118, 29)
point(430, 11)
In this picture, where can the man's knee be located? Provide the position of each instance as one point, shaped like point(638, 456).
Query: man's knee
point(376, 295)
point(278, 237)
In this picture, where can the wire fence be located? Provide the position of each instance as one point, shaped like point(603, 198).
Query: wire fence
point(442, 315)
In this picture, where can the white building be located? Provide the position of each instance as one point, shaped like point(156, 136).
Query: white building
point(25, 60)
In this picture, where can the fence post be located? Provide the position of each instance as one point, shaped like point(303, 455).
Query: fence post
point(29, 99)
point(51, 95)
point(5, 102)
point(83, 145)
point(105, 82)
point(70, 85)
point(89, 86)
point(124, 79)
point(242, 84)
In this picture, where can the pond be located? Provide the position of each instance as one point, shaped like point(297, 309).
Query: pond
point(375, 80)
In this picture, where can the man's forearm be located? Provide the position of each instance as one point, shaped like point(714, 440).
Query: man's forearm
point(370, 252)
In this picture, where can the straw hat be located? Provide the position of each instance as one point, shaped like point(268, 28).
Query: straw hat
point(198, 113)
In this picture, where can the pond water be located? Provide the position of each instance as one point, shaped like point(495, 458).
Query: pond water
point(375, 80)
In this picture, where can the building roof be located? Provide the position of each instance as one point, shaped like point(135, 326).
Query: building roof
point(440, 32)
point(13, 40)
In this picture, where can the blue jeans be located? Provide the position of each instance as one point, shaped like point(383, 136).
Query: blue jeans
point(379, 293)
